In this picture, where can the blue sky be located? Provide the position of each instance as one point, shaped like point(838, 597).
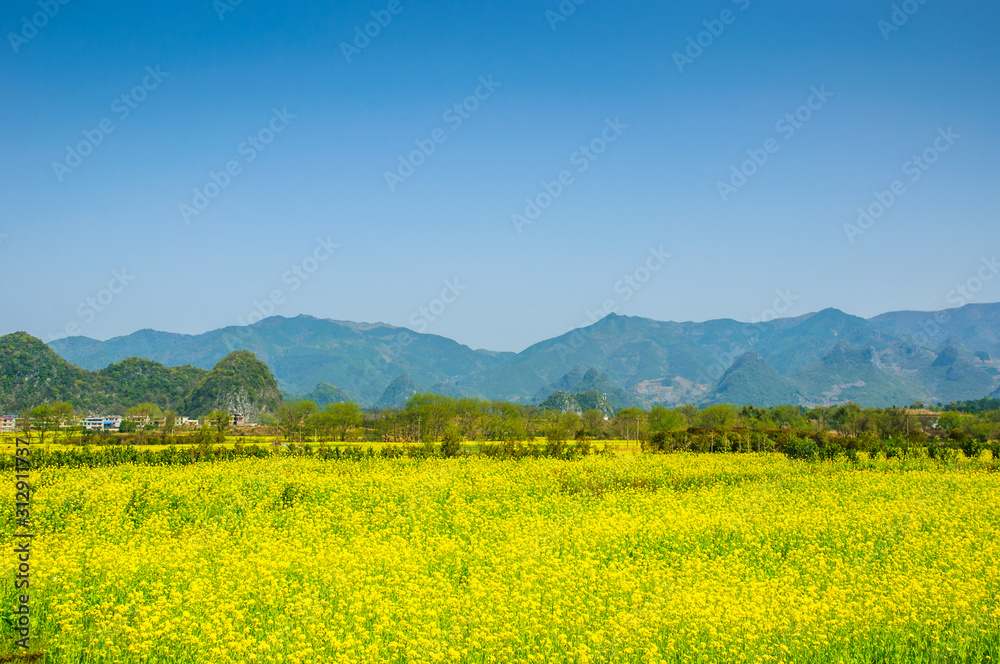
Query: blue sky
point(308, 222)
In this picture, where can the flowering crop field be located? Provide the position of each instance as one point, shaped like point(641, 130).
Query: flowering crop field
point(612, 558)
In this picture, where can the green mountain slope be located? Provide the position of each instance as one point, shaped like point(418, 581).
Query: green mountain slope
point(325, 394)
point(239, 383)
point(977, 325)
point(752, 381)
point(561, 403)
point(586, 381)
point(957, 372)
point(32, 374)
point(854, 374)
point(135, 380)
point(398, 391)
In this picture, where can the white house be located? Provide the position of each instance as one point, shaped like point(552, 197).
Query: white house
point(103, 423)
point(8, 423)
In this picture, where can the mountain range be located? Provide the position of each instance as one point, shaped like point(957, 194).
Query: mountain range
point(825, 357)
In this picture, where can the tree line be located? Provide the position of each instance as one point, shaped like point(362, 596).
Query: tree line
point(436, 418)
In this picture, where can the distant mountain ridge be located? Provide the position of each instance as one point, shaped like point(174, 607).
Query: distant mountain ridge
point(302, 352)
point(824, 357)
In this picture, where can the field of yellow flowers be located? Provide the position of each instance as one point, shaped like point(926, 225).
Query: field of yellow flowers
point(627, 558)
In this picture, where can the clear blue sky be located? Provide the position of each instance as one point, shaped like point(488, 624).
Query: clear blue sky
point(552, 87)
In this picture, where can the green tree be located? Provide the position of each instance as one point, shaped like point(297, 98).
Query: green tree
point(721, 416)
point(150, 410)
point(220, 420)
point(23, 423)
point(950, 420)
point(788, 417)
point(341, 418)
point(169, 422)
point(846, 419)
point(562, 427)
point(628, 421)
point(593, 422)
point(431, 413)
point(503, 422)
point(665, 419)
point(50, 416)
point(292, 418)
point(470, 417)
